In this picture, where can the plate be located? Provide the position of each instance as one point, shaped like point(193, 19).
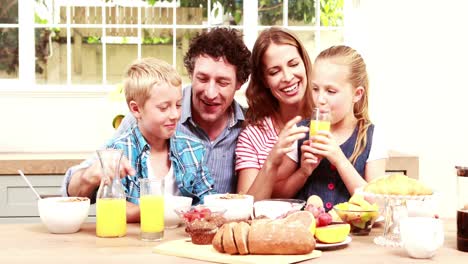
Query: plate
point(380, 219)
point(326, 246)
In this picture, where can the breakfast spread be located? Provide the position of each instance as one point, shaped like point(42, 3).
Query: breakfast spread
point(397, 184)
point(288, 236)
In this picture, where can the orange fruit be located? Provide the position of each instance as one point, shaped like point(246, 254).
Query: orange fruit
point(332, 233)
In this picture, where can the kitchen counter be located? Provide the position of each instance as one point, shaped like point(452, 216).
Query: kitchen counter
point(58, 163)
point(39, 163)
point(31, 243)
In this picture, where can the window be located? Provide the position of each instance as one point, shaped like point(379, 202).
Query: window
point(89, 42)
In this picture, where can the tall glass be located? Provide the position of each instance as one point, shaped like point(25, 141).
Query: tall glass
point(111, 218)
point(462, 208)
point(152, 209)
point(319, 121)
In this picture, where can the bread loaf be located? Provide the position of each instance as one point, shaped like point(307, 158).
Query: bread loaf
point(288, 236)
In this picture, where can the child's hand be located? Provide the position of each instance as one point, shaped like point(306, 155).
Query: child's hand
point(309, 161)
point(324, 144)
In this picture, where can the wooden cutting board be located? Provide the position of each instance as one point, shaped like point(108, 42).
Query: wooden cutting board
point(185, 248)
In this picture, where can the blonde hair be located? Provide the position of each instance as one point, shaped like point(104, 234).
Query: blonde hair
point(143, 74)
point(261, 101)
point(347, 56)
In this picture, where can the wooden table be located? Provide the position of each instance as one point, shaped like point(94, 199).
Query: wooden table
point(31, 243)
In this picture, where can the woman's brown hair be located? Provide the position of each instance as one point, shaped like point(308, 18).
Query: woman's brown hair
point(261, 101)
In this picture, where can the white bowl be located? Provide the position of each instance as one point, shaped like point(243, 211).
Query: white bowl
point(171, 219)
point(276, 208)
point(238, 206)
point(62, 215)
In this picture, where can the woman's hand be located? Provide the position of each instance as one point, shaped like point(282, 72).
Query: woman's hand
point(286, 138)
point(324, 144)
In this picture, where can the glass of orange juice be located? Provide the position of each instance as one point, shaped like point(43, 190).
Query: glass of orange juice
point(152, 209)
point(320, 121)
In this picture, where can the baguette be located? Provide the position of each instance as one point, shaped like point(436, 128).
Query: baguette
point(288, 236)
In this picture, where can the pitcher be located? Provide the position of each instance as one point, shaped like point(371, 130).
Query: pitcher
point(111, 218)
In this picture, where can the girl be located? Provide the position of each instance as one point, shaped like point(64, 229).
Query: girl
point(333, 164)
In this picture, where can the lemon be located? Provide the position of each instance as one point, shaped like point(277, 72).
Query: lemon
point(332, 233)
point(117, 120)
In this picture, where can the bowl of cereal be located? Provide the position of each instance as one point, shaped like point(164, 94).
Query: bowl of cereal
point(238, 207)
point(63, 215)
point(277, 208)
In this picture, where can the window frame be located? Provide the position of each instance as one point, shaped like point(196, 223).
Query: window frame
point(26, 81)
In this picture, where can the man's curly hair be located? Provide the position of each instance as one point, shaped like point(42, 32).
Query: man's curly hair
point(221, 42)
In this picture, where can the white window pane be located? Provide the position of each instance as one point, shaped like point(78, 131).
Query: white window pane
point(86, 56)
point(183, 40)
point(301, 13)
point(8, 53)
point(270, 13)
point(8, 12)
point(51, 55)
point(332, 13)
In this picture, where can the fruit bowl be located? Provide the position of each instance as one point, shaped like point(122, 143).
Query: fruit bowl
point(202, 222)
point(360, 220)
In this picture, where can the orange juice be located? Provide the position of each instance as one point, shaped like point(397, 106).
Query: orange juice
point(318, 125)
point(111, 218)
point(152, 213)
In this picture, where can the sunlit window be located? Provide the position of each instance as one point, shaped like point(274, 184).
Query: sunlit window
point(90, 42)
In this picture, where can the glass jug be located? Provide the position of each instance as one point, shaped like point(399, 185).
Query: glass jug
point(111, 218)
point(462, 208)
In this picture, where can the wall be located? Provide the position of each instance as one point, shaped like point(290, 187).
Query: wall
point(416, 54)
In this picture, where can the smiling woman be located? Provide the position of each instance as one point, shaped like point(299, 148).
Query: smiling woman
point(278, 92)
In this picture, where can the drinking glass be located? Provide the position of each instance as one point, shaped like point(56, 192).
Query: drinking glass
point(152, 209)
point(320, 121)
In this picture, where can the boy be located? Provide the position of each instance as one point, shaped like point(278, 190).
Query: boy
point(154, 96)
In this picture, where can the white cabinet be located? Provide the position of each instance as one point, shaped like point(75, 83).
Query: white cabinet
point(17, 201)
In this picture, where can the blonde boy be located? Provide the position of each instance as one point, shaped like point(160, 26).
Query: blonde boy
point(154, 96)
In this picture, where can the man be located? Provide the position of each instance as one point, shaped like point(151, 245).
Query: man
point(218, 63)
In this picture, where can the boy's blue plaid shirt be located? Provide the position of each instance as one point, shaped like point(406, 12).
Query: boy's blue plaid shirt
point(187, 157)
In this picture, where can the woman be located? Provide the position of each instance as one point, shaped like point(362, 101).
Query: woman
point(278, 95)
